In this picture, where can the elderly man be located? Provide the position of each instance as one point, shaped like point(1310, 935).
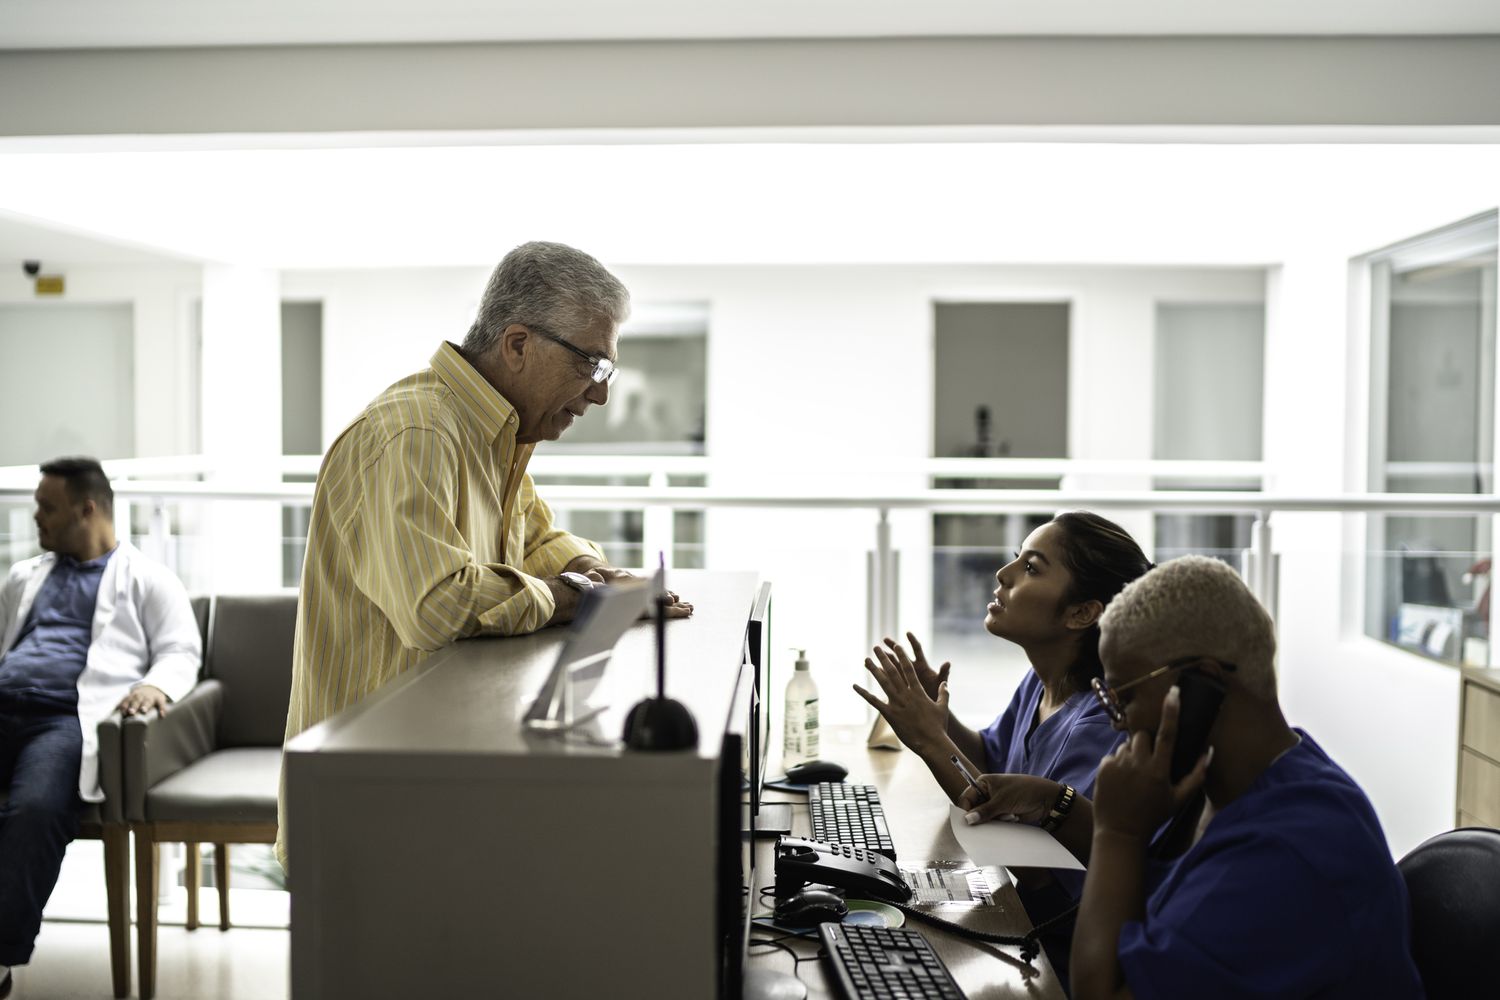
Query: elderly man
point(1287, 888)
point(91, 625)
point(425, 526)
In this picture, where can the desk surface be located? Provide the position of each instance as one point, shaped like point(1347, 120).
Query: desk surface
point(917, 813)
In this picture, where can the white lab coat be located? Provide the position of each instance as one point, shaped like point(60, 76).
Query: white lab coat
point(144, 633)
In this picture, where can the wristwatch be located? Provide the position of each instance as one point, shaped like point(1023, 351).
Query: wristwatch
point(577, 581)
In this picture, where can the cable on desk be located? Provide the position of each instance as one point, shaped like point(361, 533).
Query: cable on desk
point(1028, 943)
point(780, 944)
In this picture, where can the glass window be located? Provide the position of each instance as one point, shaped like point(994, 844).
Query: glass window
point(1432, 417)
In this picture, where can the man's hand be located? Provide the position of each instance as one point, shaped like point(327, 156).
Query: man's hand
point(1133, 793)
point(594, 569)
point(142, 699)
point(1009, 797)
point(917, 718)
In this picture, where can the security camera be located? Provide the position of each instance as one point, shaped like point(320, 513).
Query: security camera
point(31, 267)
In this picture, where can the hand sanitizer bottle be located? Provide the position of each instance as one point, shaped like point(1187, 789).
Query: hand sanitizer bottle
point(801, 717)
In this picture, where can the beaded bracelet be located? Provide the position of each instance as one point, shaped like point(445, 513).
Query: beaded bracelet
point(1060, 809)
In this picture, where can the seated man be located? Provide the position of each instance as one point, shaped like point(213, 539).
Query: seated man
point(1288, 889)
point(89, 626)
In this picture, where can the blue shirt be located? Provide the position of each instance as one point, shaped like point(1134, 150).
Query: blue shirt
point(1291, 892)
point(52, 649)
point(1067, 747)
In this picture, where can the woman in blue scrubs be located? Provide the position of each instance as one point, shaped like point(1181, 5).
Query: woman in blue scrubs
point(1042, 752)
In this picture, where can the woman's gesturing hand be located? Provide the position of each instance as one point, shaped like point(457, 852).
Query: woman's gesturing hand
point(916, 696)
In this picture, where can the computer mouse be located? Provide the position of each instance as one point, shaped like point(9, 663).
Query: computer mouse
point(813, 771)
point(811, 907)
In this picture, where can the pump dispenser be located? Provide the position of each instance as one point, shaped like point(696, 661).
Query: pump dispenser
point(801, 717)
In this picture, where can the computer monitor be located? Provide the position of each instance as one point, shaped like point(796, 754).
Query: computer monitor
point(746, 741)
point(758, 655)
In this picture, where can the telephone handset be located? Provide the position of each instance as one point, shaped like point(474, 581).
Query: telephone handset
point(863, 874)
point(1201, 697)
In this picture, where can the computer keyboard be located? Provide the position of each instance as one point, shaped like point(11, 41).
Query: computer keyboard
point(882, 962)
point(849, 814)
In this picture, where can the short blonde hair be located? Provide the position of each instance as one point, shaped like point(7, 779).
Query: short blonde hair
point(1196, 606)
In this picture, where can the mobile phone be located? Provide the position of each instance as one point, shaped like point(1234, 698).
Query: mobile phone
point(1201, 697)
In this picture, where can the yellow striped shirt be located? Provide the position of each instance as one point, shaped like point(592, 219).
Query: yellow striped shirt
point(425, 528)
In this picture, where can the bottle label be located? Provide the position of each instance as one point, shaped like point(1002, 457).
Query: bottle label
point(810, 727)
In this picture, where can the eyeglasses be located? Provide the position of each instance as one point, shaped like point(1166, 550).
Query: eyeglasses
point(604, 369)
point(1109, 697)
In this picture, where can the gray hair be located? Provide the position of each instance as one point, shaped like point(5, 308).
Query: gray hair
point(549, 284)
point(1197, 606)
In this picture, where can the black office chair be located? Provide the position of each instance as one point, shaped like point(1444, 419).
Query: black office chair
point(1454, 884)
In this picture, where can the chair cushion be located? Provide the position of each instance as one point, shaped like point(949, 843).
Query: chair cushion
point(227, 786)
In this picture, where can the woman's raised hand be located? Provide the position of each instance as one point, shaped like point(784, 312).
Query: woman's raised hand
point(916, 698)
point(931, 679)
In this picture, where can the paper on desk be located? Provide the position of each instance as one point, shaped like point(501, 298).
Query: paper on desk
point(1011, 845)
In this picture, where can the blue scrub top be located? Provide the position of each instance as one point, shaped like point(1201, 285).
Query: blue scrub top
point(1067, 747)
point(1291, 892)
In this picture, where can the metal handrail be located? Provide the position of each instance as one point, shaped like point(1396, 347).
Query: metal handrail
point(935, 500)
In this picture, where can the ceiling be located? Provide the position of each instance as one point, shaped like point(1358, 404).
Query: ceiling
point(802, 203)
point(56, 246)
point(132, 23)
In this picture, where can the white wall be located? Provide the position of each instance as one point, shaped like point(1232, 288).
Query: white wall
point(158, 297)
point(1210, 381)
point(69, 382)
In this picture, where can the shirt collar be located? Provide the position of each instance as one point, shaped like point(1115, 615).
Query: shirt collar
point(483, 401)
point(98, 563)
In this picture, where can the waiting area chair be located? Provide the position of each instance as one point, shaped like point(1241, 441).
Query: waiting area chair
point(207, 771)
point(1454, 884)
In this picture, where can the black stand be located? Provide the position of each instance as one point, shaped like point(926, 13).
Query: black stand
point(660, 723)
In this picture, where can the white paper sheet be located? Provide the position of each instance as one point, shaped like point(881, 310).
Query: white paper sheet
point(1011, 845)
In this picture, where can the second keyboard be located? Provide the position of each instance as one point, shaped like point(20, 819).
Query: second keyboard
point(850, 815)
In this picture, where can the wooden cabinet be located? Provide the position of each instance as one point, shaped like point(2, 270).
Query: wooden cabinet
point(1479, 750)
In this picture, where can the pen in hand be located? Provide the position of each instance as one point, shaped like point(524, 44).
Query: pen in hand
point(973, 817)
point(963, 769)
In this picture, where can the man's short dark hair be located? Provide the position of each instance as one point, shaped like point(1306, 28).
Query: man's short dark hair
point(85, 479)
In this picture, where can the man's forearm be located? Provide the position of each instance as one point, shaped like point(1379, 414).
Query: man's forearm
point(1113, 892)
point(583, 563)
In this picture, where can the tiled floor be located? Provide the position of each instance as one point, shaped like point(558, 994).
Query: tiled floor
point(72, 963)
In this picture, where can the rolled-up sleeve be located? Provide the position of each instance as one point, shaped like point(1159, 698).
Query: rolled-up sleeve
point(548, 547)
point(414, 562)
